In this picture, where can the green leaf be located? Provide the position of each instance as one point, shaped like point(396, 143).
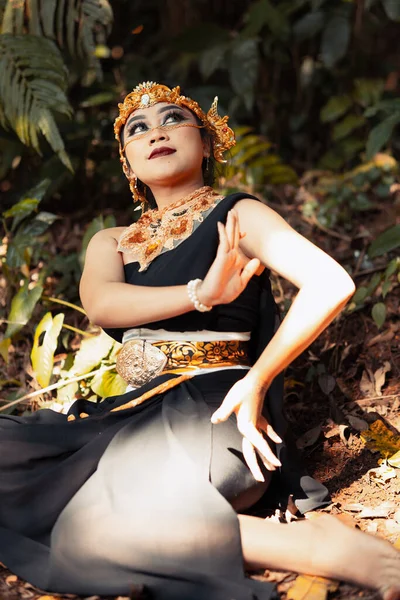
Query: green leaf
point(385, 242)
point(42, 354)
point(243, 69)
point(249, 153)
point(91, 353)
point(97, 224)
point(379, 314)
point(335, 40)
point(22, 306)
point(33, 82)
point(79, 27)
point(212, 59)
point(335, 108)
point(107, 384)
point(392, 9)
point(346, 126)
point(264, 13)
point(368, 91)
point(38, 225)
point(380, 135)
point(98, 99)
point(309, 25)
point(360, 295)
point(386, 288)
point(373, 284)
point(392, 267)
point(22, 209)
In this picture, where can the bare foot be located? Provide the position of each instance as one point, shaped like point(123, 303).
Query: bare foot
point(353, 556)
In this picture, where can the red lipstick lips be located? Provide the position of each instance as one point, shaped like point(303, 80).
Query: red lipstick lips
point(162, 151)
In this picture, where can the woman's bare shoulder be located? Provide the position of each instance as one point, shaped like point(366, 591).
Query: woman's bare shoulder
point(106, 235)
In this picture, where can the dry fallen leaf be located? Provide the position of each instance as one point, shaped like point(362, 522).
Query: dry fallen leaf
point(378, 512)
point(380, 376)
point(309, 437)
point(308, 587)
point(372, 527)
point(385, 336)
point(392, 526)
point(380, 475)
point(371, 383)
point(353, 507)
point(357, 423)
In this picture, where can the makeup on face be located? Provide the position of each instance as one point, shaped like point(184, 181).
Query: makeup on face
point(172, 117)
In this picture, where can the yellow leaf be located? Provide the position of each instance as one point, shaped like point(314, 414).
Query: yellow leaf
point(394, 461)
point(107, 384)
point(309, 587)
point(4, 346)
point(379, 438)
point(92, 351)
point(42, 354)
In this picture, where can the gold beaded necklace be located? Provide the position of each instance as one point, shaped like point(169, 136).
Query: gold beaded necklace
point(160, 230)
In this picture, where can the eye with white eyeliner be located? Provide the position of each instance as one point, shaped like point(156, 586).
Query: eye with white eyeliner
point(170, 118)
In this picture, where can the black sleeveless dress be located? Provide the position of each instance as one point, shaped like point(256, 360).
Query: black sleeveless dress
point(145, 495)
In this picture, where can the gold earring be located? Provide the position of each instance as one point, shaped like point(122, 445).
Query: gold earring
point(137, 196)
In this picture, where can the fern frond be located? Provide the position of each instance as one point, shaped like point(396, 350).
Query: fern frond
point(33, 80)
point(76, 27)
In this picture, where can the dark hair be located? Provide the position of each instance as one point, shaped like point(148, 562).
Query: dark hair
point(208, 165)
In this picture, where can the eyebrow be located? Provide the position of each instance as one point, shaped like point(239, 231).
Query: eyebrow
point(160, 111)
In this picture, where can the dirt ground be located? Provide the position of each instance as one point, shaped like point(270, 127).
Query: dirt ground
point(344, 383)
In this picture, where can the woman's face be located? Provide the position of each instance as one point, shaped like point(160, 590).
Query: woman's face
point(161, 155)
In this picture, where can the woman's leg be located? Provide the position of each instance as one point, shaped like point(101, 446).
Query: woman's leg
point(323, 546)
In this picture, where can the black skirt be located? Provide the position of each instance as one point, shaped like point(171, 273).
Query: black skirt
point(148, 495)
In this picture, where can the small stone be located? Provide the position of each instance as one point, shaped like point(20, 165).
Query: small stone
point(145, 99)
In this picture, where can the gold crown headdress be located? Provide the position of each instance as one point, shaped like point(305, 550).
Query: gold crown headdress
point(148, 93)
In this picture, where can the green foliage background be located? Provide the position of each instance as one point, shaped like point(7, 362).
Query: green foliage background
point(312, 87)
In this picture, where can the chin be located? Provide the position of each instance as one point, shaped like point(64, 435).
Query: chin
point(168, 176)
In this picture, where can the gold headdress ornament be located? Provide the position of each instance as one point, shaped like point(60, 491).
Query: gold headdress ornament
point(149, 93)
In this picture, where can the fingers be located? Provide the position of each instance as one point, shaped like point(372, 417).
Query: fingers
point(271, 433)
point(236, 231)
point(260, 444)
point(225, 410)
point(230, 227)
point(249, 270)
point(250, 457)
point(223, 239)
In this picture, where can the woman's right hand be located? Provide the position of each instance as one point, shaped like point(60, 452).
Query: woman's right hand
point(231, 270)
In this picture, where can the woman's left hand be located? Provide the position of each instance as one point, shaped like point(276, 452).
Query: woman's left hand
point(246, 399)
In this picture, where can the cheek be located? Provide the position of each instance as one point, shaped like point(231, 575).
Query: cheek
point(191, 140)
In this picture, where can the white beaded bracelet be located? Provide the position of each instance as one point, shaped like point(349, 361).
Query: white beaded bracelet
point(192, 293)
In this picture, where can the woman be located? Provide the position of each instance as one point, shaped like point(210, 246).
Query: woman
point(149, 488)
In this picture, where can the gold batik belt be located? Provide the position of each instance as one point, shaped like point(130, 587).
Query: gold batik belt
point(139, 361)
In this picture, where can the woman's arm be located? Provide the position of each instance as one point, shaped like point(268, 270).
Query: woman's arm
point(110, 302)
point(324, 286)
point(324, 289)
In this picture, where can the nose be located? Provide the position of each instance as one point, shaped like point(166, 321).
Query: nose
point(158, 134)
